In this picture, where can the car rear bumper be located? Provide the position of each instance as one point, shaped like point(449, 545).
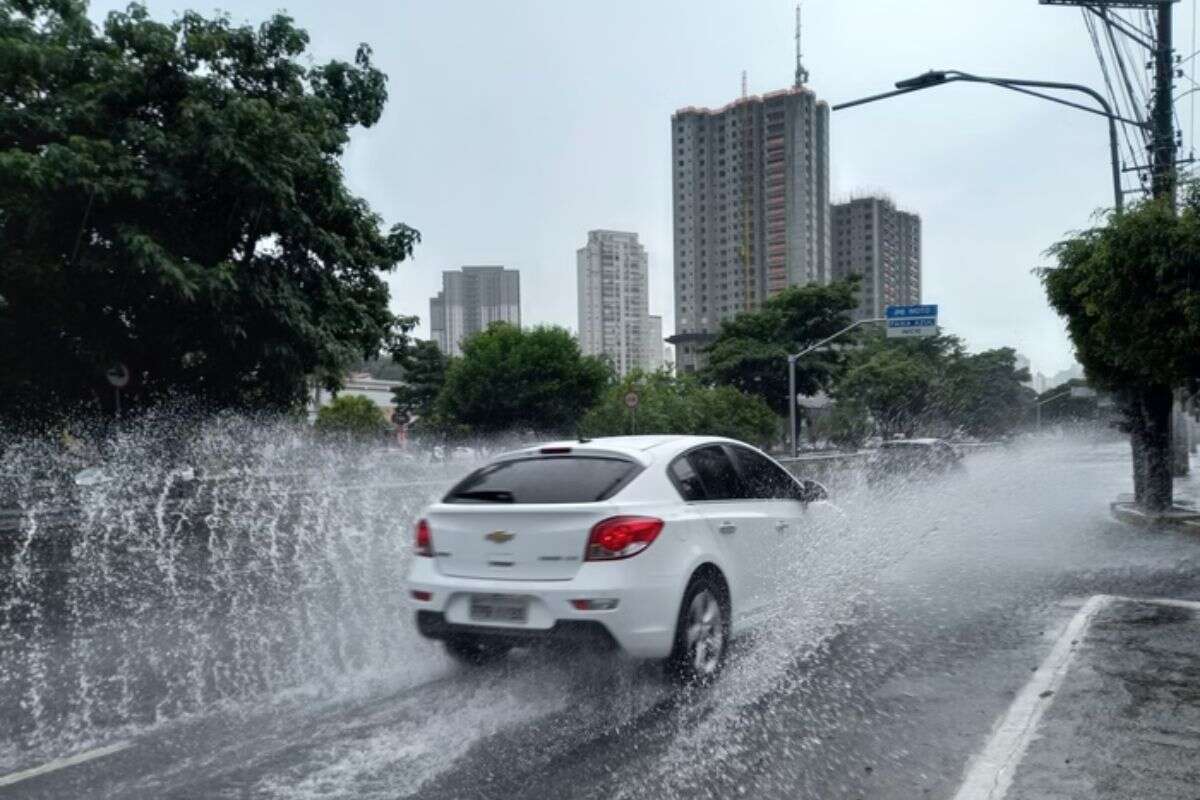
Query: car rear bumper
point(585, 633)
point(642, 624)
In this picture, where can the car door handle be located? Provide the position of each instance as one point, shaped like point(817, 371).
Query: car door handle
point(727, 528)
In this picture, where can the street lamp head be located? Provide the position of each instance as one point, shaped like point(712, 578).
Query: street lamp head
point(931, 78)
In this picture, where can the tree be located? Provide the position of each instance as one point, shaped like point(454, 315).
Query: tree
point(511, 378)
point(351, 416)
point(983, 393)
point(894, 385)
point(424, 367)
point(900, 381)
point(171, 198)
point(682, 405)
point(1128, 291)
point(751, 350)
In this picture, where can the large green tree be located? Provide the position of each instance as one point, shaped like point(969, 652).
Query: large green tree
point(424, 367)
point(509, 378)
point(983, 393)
point(682, 405)
point(1130, 293)
point(353, 417)
point(899, 381)
point(751, 350)
point(171, 198)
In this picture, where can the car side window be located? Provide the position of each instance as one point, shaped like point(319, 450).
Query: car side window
point(717, 473)
point(764, 479)
point(686, 480)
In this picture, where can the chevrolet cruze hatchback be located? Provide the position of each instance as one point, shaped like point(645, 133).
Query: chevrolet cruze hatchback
point(663, 546)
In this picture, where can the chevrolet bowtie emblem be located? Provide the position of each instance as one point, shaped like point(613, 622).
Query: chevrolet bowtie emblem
point(499, 537)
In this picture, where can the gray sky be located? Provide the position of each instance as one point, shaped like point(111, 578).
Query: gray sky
point(513, 128)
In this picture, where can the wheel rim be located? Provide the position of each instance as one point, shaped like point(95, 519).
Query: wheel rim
point(705, 633)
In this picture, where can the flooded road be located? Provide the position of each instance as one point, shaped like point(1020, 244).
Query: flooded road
point(895, 646)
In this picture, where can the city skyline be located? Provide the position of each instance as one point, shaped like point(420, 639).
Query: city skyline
point(997, 177)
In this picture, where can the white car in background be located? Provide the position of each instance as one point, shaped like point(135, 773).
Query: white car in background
point(664, 546)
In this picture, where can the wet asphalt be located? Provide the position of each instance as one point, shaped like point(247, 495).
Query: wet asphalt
point(894, 649)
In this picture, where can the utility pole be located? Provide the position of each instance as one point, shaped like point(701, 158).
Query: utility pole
point(1163, 113)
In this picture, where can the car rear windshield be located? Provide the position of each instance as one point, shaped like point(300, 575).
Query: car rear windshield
point(557, 479)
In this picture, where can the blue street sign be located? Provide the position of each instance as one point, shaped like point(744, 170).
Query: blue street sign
point(911, 320)
point(896, 312)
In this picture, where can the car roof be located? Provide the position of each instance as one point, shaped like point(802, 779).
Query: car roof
point(643, 449)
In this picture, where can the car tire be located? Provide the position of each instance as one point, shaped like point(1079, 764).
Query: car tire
point(475, 652)
point(701, 633)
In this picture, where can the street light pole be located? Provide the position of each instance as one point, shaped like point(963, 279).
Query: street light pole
point(792, 376)
point(1041, 403)
point(939, 77)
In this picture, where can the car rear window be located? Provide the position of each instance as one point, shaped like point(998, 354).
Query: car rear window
point(543, 480)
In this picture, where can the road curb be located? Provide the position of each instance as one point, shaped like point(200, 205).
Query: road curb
point(1181, 518)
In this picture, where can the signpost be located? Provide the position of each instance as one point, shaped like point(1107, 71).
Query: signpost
point(118, 378)
point(905, 321)
point(631, 402)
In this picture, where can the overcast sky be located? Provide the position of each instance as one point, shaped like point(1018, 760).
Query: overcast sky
point(515, 127)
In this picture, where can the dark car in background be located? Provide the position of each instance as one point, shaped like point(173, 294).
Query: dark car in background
point(906, 458)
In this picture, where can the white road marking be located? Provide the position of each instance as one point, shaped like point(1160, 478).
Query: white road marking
point(62, 763)
point(991, 772)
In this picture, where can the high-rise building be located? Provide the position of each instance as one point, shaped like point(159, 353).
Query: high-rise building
point(614, 318)
point(471, 299)
point(882, 245)
point(751, 206)
point(655, 352)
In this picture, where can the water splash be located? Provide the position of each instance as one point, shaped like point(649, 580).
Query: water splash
point(181, 567)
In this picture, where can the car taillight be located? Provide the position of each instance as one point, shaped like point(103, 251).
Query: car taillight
point(621, 537)
point(423, 546)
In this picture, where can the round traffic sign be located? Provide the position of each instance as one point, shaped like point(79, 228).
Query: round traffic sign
point(118, 375)
point(631, 400)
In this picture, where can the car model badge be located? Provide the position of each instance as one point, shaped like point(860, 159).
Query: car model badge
point(499, 537)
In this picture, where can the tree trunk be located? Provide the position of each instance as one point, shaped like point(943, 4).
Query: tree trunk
point(1134, 424)
point(1156, 417)
point(1138, 450)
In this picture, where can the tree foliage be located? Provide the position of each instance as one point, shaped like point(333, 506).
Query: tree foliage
point(751, 350)
point(682, 405)
point(933, 386)
point(512, 378)
point(351, 416)
point(171, 198)
point(424, 367)
point(1130, 293)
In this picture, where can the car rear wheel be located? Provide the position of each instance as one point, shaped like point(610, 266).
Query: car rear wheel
point(701, 634)
point(475, 651)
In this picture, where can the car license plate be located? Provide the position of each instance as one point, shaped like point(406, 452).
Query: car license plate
point(499, 608)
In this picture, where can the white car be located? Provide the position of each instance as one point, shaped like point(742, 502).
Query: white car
point(665, 546)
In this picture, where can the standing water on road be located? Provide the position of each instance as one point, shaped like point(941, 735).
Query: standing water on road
point(184, 568)
point(236, 567)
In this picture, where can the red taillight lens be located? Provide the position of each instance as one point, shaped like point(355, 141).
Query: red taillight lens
point(424, 597)
point(423, 546)
point(621, 537)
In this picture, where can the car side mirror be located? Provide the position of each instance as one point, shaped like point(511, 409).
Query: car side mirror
point(810, 491)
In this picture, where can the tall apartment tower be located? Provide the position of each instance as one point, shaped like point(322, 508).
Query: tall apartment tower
point(471, 299)
point(751, 204)
point(882, 245)
point(614, 317)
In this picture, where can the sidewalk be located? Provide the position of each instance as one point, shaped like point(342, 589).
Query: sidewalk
point(1124, 722)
